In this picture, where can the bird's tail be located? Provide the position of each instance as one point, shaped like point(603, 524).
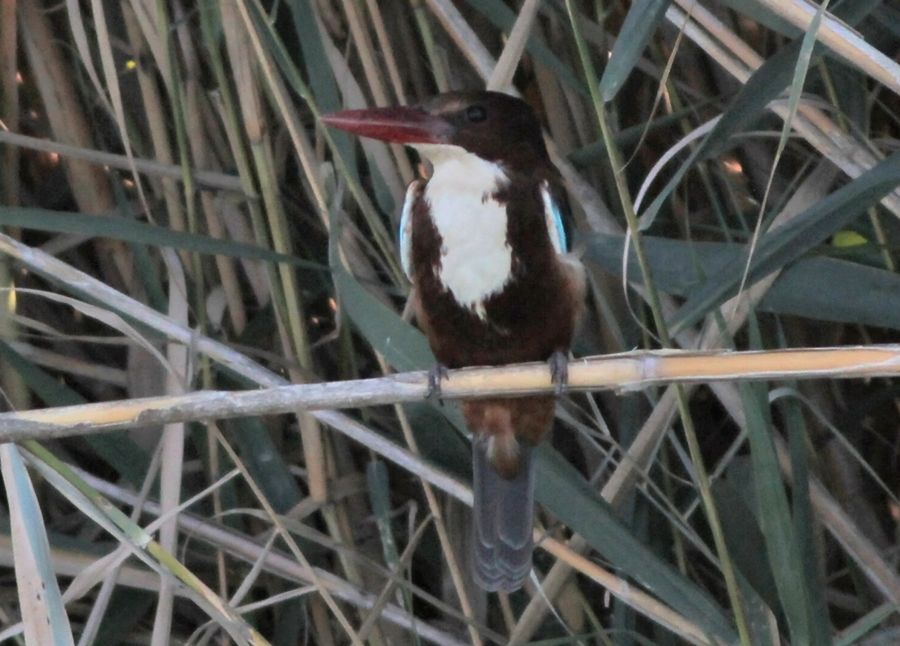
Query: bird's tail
point(504, 516)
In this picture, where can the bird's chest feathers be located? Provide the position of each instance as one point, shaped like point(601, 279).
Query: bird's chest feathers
point(475, 256)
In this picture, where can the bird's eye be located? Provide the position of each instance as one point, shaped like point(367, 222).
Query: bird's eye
point(475, 113)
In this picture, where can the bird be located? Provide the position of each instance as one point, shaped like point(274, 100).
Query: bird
point(483, 243)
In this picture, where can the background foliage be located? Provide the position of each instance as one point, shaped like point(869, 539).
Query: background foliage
point(186, 172)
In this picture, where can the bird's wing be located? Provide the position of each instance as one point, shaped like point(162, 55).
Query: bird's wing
point(553, 220)
point(412, 193)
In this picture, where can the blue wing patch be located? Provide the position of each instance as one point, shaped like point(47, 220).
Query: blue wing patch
point(553, 220)
point(412, 192)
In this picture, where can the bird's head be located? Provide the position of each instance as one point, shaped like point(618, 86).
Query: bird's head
point(496, 127)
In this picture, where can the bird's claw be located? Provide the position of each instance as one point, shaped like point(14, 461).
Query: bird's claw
point(559, 371)
point(437, 373)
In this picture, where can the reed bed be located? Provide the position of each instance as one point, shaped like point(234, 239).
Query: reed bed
point(181, 240)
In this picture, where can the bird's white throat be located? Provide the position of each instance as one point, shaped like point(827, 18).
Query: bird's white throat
point(476, 259)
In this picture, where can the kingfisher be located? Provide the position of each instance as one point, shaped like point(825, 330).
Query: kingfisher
point(483, 243)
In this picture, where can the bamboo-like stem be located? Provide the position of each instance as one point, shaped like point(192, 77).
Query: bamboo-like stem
point(310, 180)
point(303, 148)
point(226, 105)
point(437, 62)
point(277, 563)
point(628, 371)
point(292, 324)
point(157, 124)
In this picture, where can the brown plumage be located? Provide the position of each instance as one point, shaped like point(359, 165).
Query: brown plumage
point(488, 150)
point(531, 318)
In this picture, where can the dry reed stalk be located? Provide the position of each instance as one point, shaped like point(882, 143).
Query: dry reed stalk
point(622, 372)
point(372, 69)
point(154, 168)
point(387, 50)
point(9, 99)
point(502, 74)
point(201, 148)
point(89, 185)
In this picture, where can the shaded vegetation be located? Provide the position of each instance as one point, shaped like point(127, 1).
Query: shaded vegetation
point(188, 174)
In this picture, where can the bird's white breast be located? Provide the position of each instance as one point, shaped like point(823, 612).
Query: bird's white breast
point(476, 259)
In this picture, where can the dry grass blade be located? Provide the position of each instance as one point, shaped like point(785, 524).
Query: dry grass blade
point(43, 613)
point(69, 122)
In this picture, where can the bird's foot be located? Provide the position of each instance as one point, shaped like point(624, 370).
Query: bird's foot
point(559, 371)
point(437, 373)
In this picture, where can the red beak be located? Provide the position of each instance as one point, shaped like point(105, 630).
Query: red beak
point(402, 125)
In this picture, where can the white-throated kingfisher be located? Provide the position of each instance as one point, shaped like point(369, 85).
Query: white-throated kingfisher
point(483, 243)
